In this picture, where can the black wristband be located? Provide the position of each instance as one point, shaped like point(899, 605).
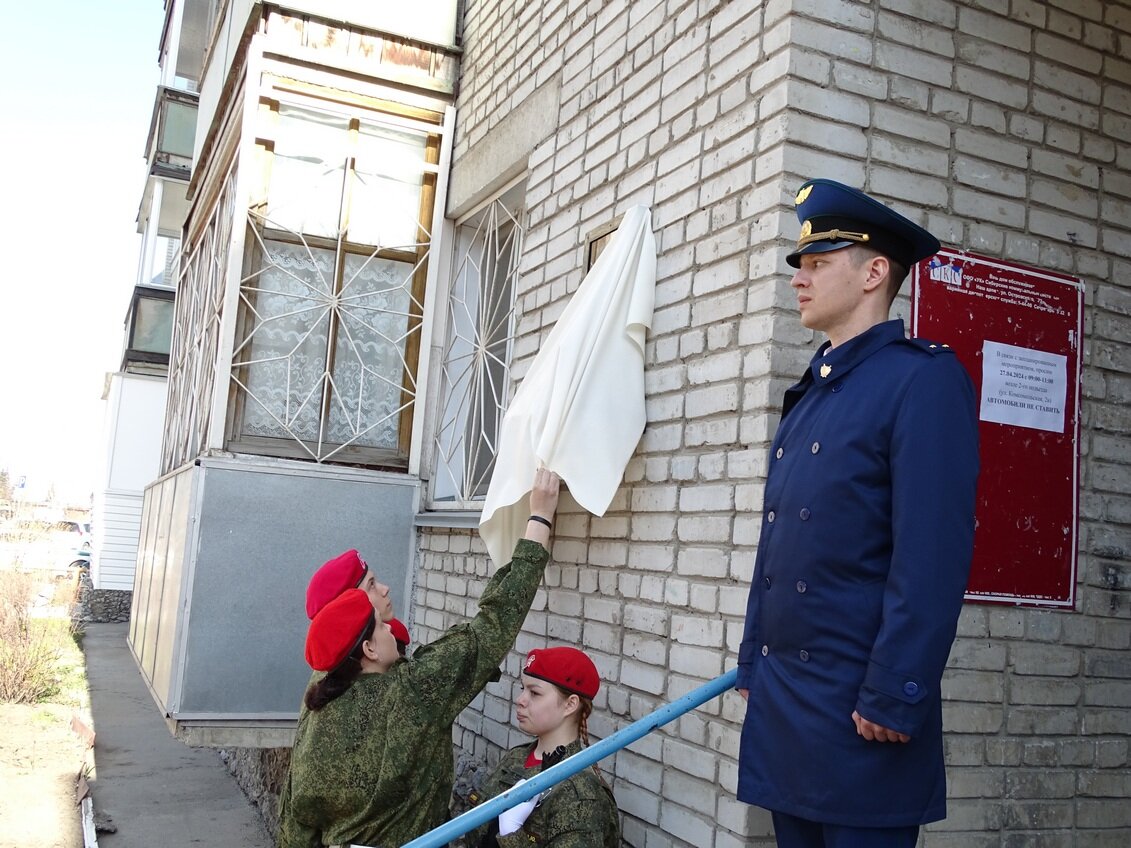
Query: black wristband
point(541, 520)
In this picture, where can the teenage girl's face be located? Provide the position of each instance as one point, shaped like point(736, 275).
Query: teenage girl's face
point(384, 643)
point(540, 707)
point(378, 596)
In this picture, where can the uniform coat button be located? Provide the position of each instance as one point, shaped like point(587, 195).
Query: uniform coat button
point(802, 586)
point(816, 447)
point(765, 650)
point(770, 516)
point(779, 453)
point(804, 655)
point(766, 580)
point(804, 513)
point(911, 688)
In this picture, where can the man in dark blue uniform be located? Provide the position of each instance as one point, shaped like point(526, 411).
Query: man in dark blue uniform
point(866, 541)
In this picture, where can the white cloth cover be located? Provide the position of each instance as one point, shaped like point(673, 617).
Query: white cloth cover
point(580, 409)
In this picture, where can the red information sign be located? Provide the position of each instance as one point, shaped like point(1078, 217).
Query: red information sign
point(1018, 332)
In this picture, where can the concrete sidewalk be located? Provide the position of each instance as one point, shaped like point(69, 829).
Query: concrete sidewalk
point(157, 791)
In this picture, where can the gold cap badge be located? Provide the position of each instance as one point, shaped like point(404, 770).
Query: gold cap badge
point(802, 195)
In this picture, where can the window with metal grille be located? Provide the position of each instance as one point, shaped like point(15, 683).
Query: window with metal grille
point(475, 379)
point(331, 299)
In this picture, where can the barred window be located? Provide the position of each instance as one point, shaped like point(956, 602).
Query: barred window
point(331, 298)
point(476, 354)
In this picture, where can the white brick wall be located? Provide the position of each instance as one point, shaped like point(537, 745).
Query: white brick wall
point(1004, 126)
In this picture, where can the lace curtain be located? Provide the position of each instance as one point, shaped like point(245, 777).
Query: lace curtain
point(327, 299)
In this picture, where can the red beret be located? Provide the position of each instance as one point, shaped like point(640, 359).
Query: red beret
point(566, 667)
point(400, 632)
point(335, 576)
point(337, 628)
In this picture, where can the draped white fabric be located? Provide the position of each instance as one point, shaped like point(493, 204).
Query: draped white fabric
point(580, 409)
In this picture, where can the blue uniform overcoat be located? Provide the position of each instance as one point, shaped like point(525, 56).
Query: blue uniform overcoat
point(865, 549)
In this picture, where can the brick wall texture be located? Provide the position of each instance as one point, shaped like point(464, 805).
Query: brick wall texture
point(1003, 126)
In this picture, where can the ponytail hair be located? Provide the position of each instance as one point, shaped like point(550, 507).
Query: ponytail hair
point(339, 679)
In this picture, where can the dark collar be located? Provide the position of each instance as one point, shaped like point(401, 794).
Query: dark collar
point(827, 366)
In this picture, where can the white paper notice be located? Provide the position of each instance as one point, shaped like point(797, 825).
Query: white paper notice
point(1023, 387)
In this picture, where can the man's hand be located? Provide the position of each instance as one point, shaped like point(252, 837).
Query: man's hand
point(875, 732)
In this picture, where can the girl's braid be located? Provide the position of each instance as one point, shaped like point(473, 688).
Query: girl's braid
point(583, 732)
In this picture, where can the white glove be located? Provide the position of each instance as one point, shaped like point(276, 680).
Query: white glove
point(512, 819)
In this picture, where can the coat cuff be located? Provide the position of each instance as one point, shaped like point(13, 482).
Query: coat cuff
point(742, 679)
point(893, 699)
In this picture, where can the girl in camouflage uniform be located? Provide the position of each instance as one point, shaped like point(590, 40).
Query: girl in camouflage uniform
point(558, 686)
point(372, 759)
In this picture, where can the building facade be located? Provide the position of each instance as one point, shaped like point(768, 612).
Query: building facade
point(386, 218)
point(999, 126)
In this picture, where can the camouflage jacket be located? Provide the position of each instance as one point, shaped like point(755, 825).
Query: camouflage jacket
point(375, 765)
point(579, 812)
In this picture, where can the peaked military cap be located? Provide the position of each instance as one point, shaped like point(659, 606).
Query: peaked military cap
point(834, 215)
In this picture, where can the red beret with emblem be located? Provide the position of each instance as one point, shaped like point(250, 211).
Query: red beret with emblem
point(566, 667)
point(335, 576)
point(337, 629)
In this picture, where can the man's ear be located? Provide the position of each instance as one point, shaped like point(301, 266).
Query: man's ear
point(879, 269)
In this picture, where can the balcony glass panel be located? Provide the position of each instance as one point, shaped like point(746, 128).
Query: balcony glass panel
point(179, 131)
point(308, 172)
point(153, 325)
point(163, 269)
point(386, 205)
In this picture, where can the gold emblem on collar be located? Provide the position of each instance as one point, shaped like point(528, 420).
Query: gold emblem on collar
point(802, 195)
point(826, 370)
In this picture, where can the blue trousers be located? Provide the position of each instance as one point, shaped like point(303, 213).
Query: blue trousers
point(792, 832)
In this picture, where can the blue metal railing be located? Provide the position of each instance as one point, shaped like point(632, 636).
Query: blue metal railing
point(583, 759)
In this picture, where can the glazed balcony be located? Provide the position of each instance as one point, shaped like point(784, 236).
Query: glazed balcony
point(172, 132)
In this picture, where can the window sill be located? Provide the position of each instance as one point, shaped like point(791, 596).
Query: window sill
point(461, 519)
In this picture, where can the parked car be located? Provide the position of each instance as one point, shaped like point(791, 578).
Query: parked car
point(81, 528)
point(81, 562)
point(54, 547)
point(81, 556)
